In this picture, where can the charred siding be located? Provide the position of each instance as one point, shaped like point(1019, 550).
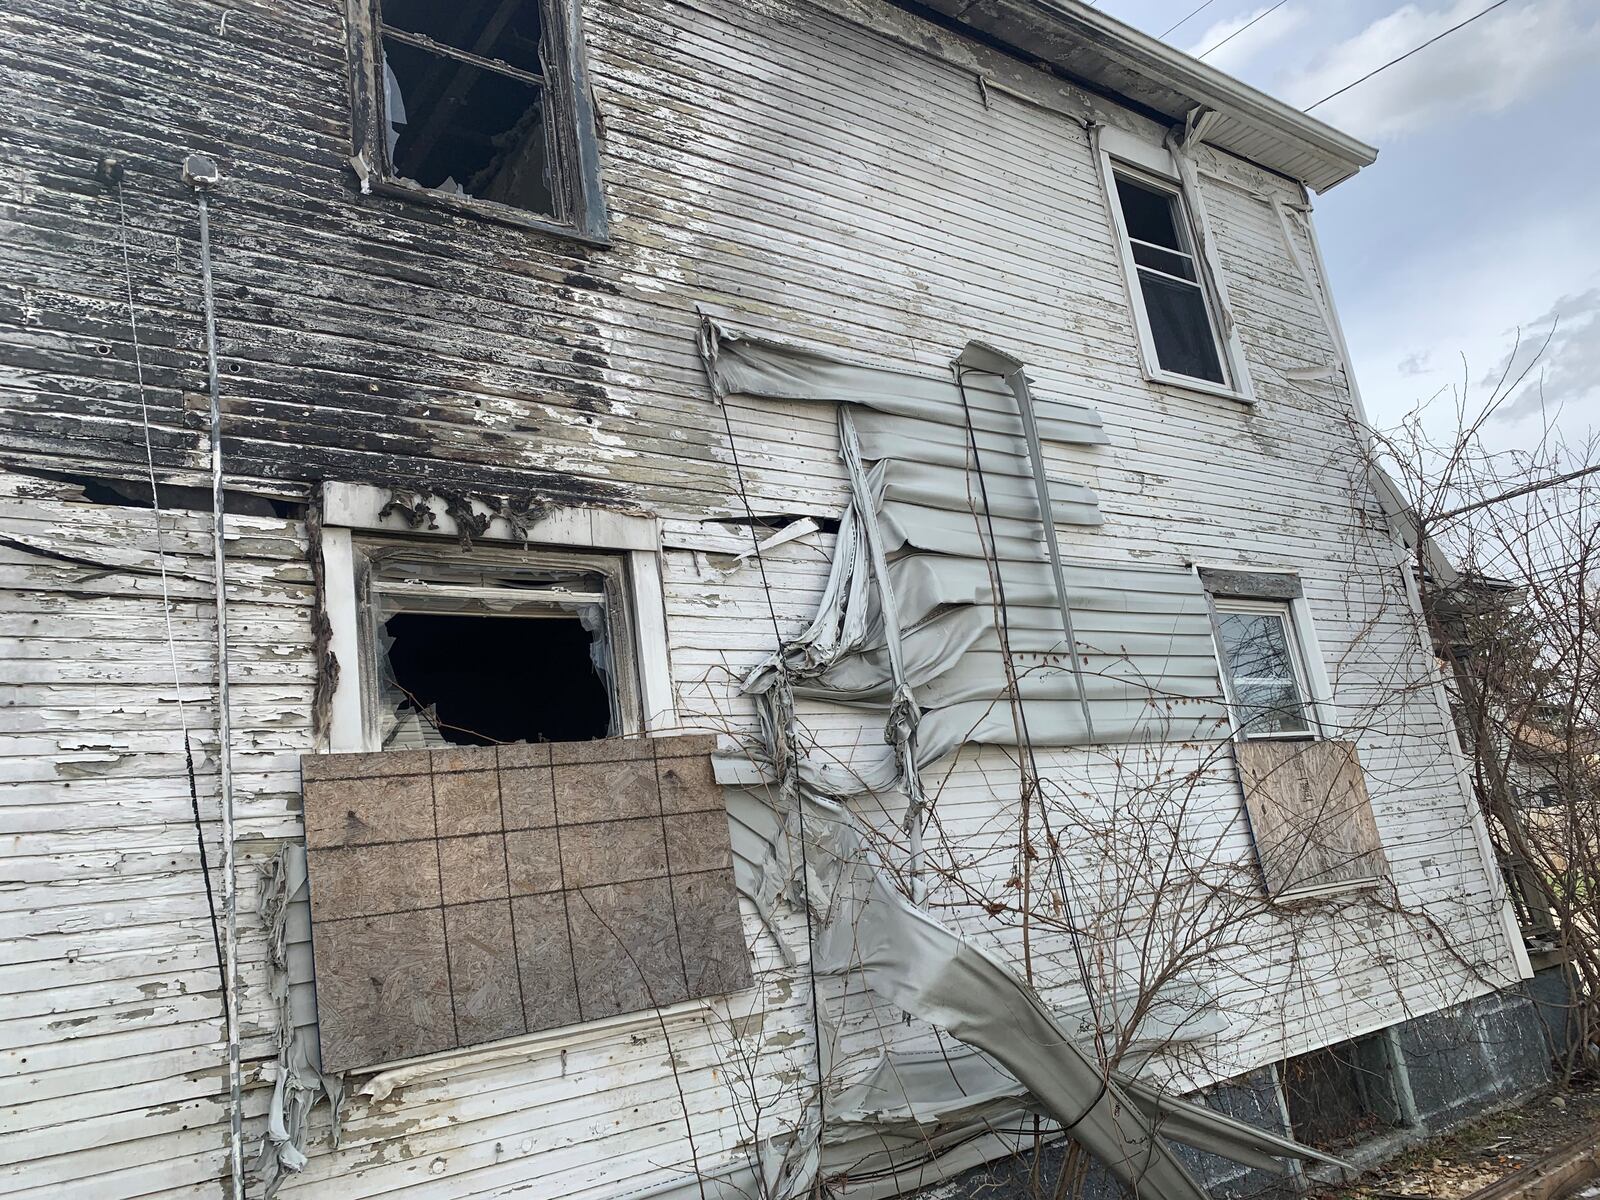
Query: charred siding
point(777, 159)
point(362, 337)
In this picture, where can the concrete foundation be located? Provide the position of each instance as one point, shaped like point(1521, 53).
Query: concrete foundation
point(1447, 1068)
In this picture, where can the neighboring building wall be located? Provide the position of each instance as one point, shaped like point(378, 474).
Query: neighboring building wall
point(780, 163)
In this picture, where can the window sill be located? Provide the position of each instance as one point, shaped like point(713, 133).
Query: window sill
point(405, 1072)
point(484, 210)
point(1328, 890)
point(1183, 385)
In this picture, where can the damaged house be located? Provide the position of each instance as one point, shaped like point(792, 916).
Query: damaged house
point(615, 599)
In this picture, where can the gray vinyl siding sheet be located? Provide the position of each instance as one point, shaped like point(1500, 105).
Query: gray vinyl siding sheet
point(964, 528)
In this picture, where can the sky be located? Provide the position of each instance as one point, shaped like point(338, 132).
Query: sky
point(1480, 222)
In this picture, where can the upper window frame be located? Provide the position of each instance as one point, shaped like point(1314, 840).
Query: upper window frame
point(575, 169)
point(1153, 167)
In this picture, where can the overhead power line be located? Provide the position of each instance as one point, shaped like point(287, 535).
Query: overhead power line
point(1192, 13)
point(1436, 37)
point(1246, 25)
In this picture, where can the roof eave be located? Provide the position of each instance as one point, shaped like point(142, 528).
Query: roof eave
point(1115, 58)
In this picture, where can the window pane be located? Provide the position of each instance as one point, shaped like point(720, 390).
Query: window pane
point(1256, 645)
point(1271, 708)
point(467, 130)
point(1150, 215)
point(1258, 659)
point(1180, 265)
point(508, 30)
point(1180, 326)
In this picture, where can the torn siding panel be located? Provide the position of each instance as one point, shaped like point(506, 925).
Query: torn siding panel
point(983, 619)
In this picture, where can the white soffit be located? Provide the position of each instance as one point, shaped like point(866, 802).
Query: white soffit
point(1085, 44)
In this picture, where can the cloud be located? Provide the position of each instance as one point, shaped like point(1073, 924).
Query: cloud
point(1442, 322)
point(1486, 67)
point(1418, 362)
point(1242, 47)
point(1558, 352)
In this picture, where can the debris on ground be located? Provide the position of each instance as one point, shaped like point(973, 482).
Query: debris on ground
point(1475, 1156)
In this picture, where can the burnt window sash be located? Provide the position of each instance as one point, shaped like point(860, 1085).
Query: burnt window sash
point(569, 120)
point(399, 576)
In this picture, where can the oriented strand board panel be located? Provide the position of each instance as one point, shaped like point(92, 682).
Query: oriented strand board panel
point(463, 896)
point(1310, 814)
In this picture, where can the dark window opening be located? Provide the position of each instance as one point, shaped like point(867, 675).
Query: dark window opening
point(1342, 1095)
point(1175, 304)
point(467, 100)
point(477, 680)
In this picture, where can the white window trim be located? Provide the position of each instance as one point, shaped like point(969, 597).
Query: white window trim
point(350, 509)
point(531, 1046)
point(1136, 157)
point(1307, 650)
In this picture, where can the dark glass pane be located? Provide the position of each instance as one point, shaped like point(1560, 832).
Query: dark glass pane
point(1180, 265)
point(1180, 326)
point(1271, 708)
point(508, 30)
point(467, 130)
point(1150, 216)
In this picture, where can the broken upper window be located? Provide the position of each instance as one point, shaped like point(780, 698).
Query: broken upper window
point(485, 100)
point(483, 649)
point(1171, 301)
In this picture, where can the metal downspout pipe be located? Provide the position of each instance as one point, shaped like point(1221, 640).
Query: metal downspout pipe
point(201, 174)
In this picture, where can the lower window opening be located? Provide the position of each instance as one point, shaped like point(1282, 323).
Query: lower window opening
point(479, 680)
point(1342, 1095)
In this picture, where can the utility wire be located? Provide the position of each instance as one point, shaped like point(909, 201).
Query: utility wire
point(1435, 38)
point(1194, 12)
point(1246, 25)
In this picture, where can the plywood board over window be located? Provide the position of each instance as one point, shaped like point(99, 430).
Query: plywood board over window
point(1311, 816)
point(467, 895)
